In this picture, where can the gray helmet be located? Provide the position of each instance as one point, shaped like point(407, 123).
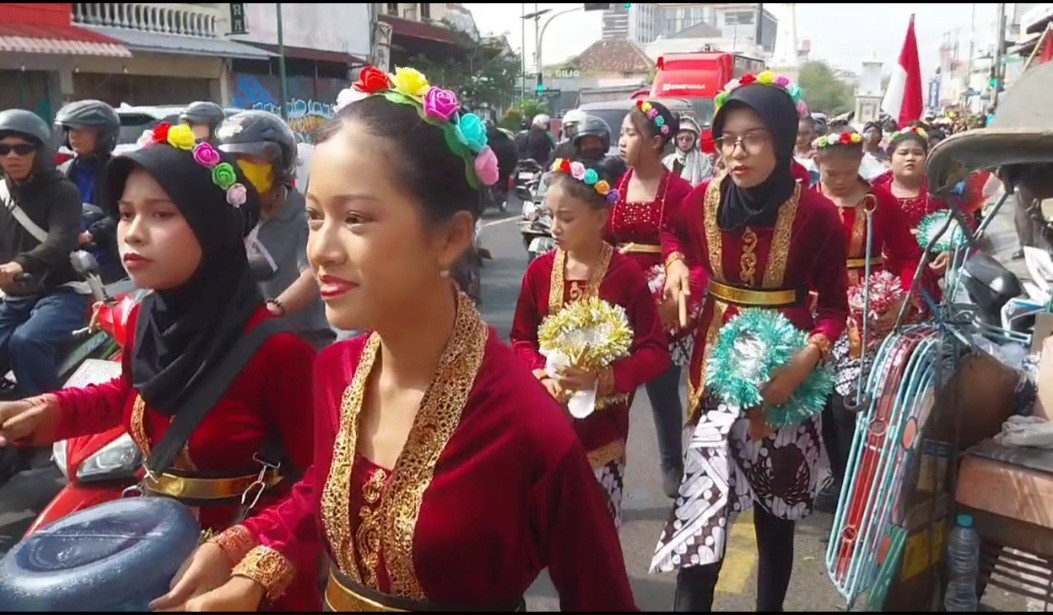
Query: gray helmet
point(26, 124)
point(203, 112)
point(91, 114)
point(596, 127)
point(261, 133)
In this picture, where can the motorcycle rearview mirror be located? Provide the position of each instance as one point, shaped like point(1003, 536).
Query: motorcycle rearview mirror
point(84, 263)
point(261, 270)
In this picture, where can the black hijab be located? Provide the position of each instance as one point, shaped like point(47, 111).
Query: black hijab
point(759, 206)
point(183, 333)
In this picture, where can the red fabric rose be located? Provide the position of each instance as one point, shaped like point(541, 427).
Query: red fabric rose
point(747, 79)
point(846, 139)
point(564, 166)
point(372, 80)
point(161, 132)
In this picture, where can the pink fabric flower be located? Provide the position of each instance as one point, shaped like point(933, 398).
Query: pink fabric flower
point(653, 113)
point(802, 109)
point(206, 155)
point(440, 104)
point(577, 171)
point(237, 194)
point(486, 166)
point(782, 81)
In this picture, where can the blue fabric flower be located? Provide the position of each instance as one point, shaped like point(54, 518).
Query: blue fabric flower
point(472, 132)
point(591, 177)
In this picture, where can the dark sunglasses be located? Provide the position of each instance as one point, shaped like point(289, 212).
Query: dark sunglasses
point(22, 149)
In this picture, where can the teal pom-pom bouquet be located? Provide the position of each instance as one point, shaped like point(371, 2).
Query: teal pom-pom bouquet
point(931, 224)
point(748, 349)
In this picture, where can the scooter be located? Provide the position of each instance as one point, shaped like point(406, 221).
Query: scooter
point(526, 177)
point(537, 235)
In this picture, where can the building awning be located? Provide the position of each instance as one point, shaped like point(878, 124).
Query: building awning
point(417, 29)
point(58, 40)
point(157, 42)
point(315, 55)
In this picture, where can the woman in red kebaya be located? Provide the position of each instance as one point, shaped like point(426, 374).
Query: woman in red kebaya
point(183, 212)
point(764, 240)
point(584, 265)
point(892, 248)
point(444, 476)
point(648, 194)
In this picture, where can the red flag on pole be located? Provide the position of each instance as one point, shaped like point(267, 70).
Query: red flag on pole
point(904, 96)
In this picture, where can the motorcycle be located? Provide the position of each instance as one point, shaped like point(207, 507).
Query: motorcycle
point(537, 235)
point(527, 177)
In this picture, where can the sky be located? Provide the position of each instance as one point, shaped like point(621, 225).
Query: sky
point(842, 34)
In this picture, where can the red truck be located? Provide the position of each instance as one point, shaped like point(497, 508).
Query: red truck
point(697, 78)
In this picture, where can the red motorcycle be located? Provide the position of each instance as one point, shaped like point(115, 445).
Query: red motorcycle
point(98, 467)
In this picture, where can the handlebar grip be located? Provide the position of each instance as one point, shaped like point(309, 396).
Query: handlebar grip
point(24, 278)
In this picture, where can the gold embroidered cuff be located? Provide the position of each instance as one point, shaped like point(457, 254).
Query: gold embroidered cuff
point(674, 256)
point(236, 543)
point(605, 382)
point(269, 568)
point(822, 343)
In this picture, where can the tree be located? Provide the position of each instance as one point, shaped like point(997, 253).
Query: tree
point(531, 107)
point(823, 90)
point(485, 73)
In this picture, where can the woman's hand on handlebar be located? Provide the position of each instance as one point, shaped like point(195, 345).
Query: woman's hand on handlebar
point(204, 583)
point(20, 420)
point(10, 272)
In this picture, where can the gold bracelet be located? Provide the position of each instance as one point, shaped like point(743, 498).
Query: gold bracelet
point(673, 257)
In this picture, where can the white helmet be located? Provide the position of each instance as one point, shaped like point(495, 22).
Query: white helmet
point(541, 120)
point(573, 117)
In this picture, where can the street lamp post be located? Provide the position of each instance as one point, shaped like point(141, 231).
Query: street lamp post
point(284, 87)
point(540, 34)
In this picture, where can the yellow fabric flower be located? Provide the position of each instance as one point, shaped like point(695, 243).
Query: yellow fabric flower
point(181, 137)
point(410, 82)
point(766, 77)
point(646, 107)
point(602, 187)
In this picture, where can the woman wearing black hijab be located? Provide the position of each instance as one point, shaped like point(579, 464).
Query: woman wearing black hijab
point(183, 212)
point(764, 241)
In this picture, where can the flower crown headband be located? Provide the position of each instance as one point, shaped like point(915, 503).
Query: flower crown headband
point(587, 176)
point(182, 137)
point(908, 131)
point(768, 78)
point(652, 114)
point(465, 133)
point(833, 140)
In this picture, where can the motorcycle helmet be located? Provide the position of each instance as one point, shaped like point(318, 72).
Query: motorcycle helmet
point(28, 125)
point(260, 133)
point(91, 114)
point(595, 127)
point(542, 121)
point(203, 112)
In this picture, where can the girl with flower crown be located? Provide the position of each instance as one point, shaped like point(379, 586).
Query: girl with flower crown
point(444, 476)
point(863, 208)
point(764, 241)
point(183, 212)
point(647, 194)
point(584, 265)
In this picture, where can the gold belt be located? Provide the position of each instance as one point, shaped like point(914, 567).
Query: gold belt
point(184, 487)
point(340, 596)
point(639, 248)
point(753, 297)
point(861, 263)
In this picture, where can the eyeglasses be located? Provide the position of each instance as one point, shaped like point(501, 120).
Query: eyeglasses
point(22, 149)
point(752, 142)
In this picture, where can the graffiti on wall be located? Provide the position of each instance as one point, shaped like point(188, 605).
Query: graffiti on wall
point(310, 101)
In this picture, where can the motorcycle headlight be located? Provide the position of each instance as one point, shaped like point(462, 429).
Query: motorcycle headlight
point(118, 459)
point(58, 453)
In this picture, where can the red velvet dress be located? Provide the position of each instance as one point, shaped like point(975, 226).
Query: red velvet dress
point(618, 280)
point(272, 395)
point(917, 207)
point(635, 229)
point(491, 487)
point(893, 248)
point(726, 469)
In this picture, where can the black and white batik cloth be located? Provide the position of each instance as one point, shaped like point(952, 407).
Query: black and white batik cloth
point(611, 477)
point(846, 367)
point(726, 472)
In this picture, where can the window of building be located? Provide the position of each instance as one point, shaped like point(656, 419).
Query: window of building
point(738, 18)
point(392, 8)
point(425, 11)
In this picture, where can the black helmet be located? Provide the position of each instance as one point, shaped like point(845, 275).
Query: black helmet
point(596, 127)
point(91, 114)
point(203, 112)
point(26, 124)
point(261, 133)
